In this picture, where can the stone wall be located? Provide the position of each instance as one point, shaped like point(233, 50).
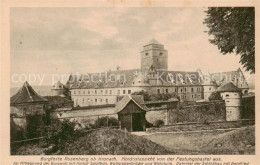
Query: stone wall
point(84, 116)
point(198, 112)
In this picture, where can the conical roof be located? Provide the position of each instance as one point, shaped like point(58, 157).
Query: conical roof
point(58, 85)
point(26, 94)
point(228, 87)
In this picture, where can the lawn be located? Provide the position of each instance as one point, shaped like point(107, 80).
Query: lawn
point(241, 141)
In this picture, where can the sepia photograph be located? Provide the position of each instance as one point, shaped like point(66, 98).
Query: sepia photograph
point(132, 81)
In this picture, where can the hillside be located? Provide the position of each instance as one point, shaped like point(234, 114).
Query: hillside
point(240, 141)
point(113, 142)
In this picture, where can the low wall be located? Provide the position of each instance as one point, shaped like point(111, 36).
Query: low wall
point(83, 116)
point(155, 115)
point(198, 112)
point(210, 111)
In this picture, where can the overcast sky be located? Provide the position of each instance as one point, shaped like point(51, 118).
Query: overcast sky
point(69, 40)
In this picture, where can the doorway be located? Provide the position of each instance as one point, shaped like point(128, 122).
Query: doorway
point(137, 122)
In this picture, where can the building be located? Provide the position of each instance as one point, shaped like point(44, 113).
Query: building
point(27, 109)
point(233, 99)
point(236, 77)
point(131, 113)
point(153, 76)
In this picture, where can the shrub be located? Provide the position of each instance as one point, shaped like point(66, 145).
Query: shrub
point(106, 122)
point(59, 134)
point(215, 96)
point(159, 123)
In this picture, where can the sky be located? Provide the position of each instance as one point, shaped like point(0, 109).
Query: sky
point(47, 43)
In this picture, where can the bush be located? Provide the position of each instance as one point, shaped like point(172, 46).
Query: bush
point(156, 97)
point(159, 123)
point(215, 96)
point(59, 134)
point(106, 122)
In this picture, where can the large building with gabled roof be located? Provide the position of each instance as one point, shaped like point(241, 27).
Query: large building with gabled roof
point(153, 76)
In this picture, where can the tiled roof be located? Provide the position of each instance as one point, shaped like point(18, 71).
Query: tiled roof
point(26, 94)
point(58, 85)
point(232, 76)
point(228, 87)
point(133, 77)
point(57, 100)
point(137, 99)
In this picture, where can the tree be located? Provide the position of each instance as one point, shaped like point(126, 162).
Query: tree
point(233, 30)
point(215, 96)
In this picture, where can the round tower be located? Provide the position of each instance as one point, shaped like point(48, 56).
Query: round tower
point(233, 98)
point(58, 89)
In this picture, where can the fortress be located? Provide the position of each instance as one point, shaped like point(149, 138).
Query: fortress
point(153, 76)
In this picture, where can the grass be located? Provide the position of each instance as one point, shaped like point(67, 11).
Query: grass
point(113, 142)
point(118, 142)
point(101, 142)
point(240, 141)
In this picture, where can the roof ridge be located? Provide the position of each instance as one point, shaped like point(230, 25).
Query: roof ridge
point(26, 86)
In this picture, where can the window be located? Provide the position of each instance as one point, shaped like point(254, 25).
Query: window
point(209, 88)
point(192, 96)
point(74, 92)
point(175, 89)
point(106, 100)
point(101, 91)
point(191, 90)
point(166, 90)
point(133, 82)
point(227, 95)
point(95, 100)
point(158, 90)
point(79, 92)
point(110, 92)
point(106, 91)
point(118, 92)
point(146, 54)
point(139, 82)
point(198, 89)
point(181, 90)
point(184, 89)
point(101, 100)
point(161, 54)
point(123, 91)
point(95, 91)
point(129, 91)
point(83, 92)
point(88, 92)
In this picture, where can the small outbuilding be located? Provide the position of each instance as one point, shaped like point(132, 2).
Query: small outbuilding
point(131, 113)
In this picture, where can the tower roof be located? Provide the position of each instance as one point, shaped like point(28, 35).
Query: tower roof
point(26, 94)
point(153, 42)
point(228, 87)
point(58, 85)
